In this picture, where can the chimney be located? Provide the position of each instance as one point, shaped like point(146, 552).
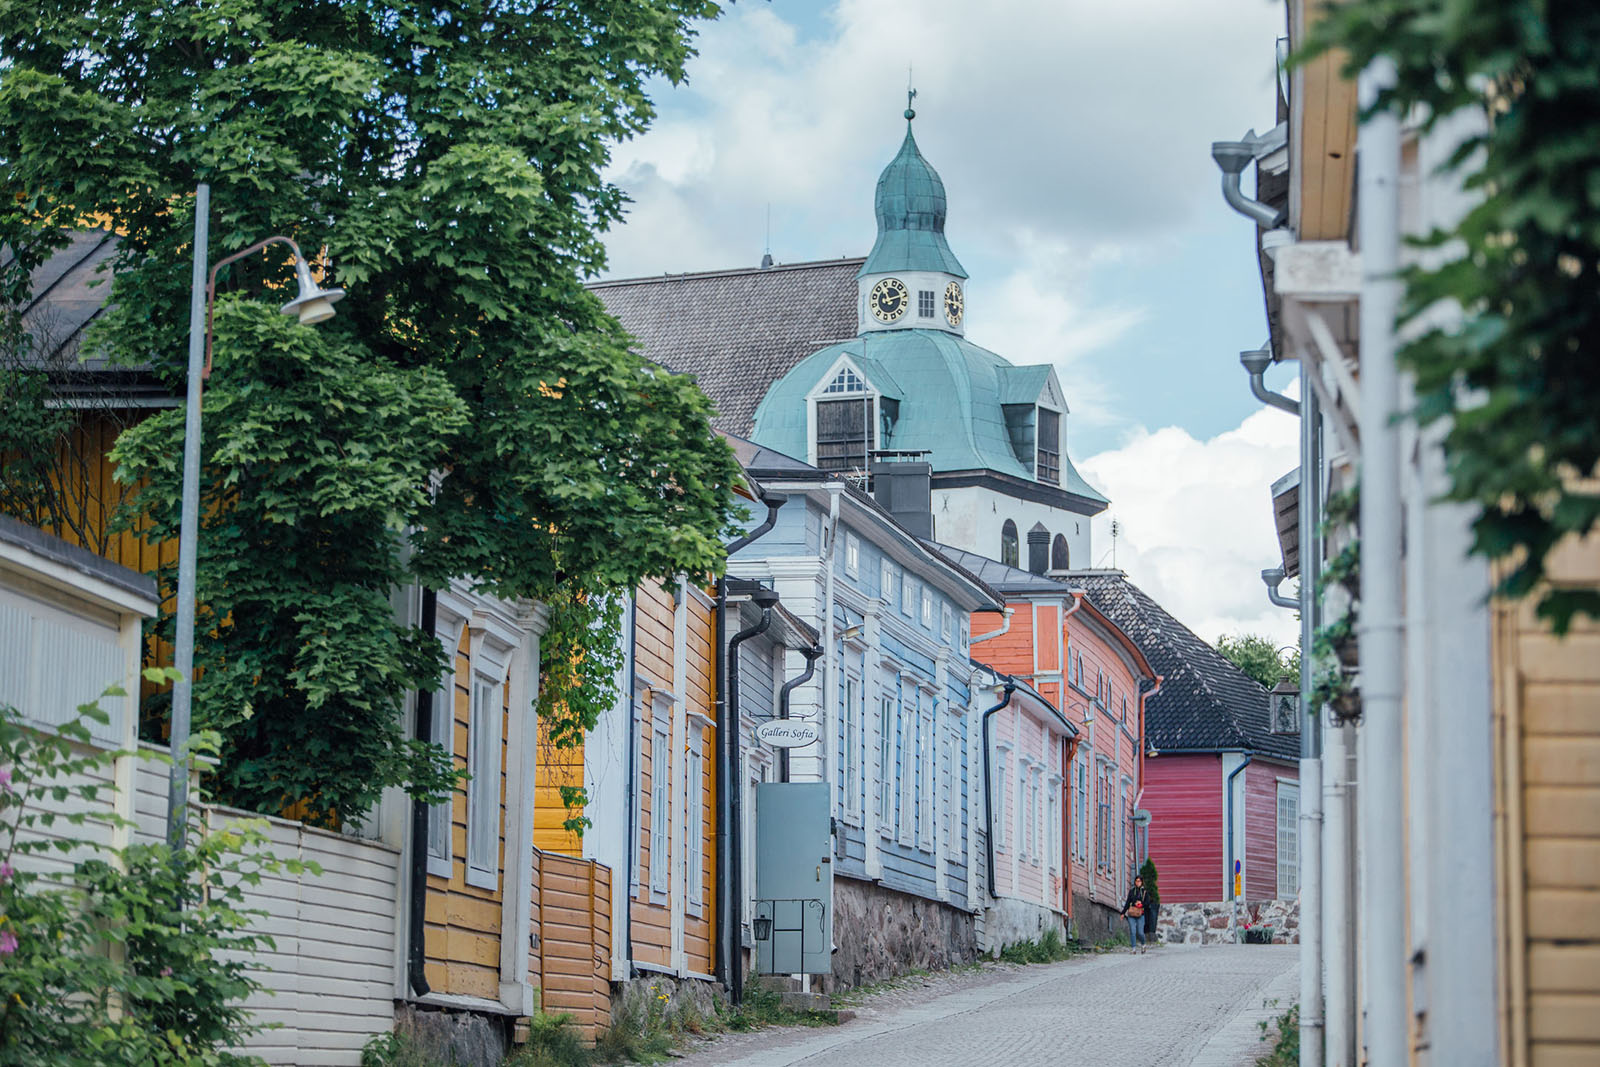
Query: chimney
point(905, 490)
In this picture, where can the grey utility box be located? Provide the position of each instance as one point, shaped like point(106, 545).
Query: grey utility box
point(793, 922)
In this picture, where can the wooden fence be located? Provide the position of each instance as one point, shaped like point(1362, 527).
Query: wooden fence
point(571, 956)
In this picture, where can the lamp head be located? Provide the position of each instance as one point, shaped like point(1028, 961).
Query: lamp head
point(314, 304)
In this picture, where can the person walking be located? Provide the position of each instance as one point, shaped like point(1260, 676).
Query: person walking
point(1134, 909)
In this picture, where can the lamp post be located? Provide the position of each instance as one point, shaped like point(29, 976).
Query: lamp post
point(313, 304)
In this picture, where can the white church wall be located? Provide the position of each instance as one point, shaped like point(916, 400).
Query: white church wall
point(972, 518)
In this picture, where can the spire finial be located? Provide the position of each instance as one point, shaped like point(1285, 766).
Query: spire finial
point(911, 94)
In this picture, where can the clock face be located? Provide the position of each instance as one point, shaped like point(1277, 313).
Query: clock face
point(888, 299)
point(953, 305)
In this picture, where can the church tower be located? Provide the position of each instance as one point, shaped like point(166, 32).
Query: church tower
point(911, 280)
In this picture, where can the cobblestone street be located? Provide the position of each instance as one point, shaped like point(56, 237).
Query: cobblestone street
point(1184, 1007)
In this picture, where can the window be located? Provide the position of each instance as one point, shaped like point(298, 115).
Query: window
point(886, 581)
point(907, 768)
point(1009, 554)
point(1002, 839)
point(1124, 707)
point(1100, 686)
point(925, 773)
point(846, 381)
point(908, 596)
point(927, 608)
point(1060, 554)
point(1049, 464)
point(952, 803)
point(844, 433)
point(1030, 815)
point(1102, 839)
point(852, 555)
point(925, 304)
point(440, 816)
point(660, 806)
point(1080, 809)
point(886, 764)
point(849, 758)
point(1288, 840)
point(483, 788)
point(694, 806)
point(966, 637)
point(1053, 822)
point(946, 622)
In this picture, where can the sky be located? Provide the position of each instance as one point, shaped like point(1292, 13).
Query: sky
point(1074, 143)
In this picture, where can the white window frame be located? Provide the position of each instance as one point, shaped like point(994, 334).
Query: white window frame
point(852, 555)
point(694, 811)
point(886, 575)
point(927, 769)
point(908, 596)
point(947, 620)
point(927, 608)
point(862, 389)
point(926, 304)
point(1053, 821)
point(493, 641)
point(660, 805)
point(1288, 872)
point(952, 804)
point(906, 823)
point(453, 611)
point(852, 713)
point(1002, 821)
point(887, 729)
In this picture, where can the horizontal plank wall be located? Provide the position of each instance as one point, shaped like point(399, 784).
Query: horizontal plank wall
point(653, 652)
point(699, 693)
point(1548, 697)
point(1181, 793)
point(557, 767)
point(573, 959)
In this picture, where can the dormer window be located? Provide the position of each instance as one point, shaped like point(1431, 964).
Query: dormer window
point(846, 381)
point(1048, 466)
point(847, 419)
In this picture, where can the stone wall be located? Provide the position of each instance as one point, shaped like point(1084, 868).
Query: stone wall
point(881, 933)
point(637, 1001)
point(466, 1038)
point(1208, 924)
point(1007, 921)
point(1093, 921)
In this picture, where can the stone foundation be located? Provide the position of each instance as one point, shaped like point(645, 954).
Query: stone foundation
point(881, 933)
point(1094, 921)
point(1007, 921)
point(470, 1039)
point(1207, 924)
point(665, 997)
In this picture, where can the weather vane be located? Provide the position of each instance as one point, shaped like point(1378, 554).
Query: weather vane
point(911, 94)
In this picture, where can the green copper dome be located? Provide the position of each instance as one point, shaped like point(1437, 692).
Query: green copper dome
point(910, 206)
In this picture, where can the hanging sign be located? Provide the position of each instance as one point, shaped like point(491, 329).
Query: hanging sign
point(788, 733)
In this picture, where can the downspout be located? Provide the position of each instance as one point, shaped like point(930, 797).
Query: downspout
point(988, 783)
point(1381, 797)
point(1312, 949)
point(735, 805)
point(633, 771)
point(1005, 626)
point(1066, 863)
point(722, 953)
point(416, 961)
point(1273, 577)
point(1256, 361)
point(1227, 787)
point(811, 655)
point(1144, 741)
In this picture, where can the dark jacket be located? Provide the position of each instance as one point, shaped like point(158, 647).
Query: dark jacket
point(1137, 894)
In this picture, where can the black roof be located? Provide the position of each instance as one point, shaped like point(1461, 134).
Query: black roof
point(1205, 703)
point(737, 331)
point(68, 292)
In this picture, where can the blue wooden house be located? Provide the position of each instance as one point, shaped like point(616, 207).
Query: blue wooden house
point(892, 693)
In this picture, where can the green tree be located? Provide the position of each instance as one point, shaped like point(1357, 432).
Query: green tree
point(1259, 657)
point(1517, 378)
point(444, 164)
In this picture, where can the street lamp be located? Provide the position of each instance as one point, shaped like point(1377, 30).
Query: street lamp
point(313, 304)
point(1285, 707)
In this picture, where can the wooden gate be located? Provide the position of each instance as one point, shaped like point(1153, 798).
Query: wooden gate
point(571, 957)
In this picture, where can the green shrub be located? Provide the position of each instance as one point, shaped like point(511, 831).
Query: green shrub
point(136, 956)
point(1285, 1051)
point(1049, 948)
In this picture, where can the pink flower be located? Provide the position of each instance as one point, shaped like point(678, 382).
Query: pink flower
point(166, 972)
point(5, 780)
point(6, 871)
point(8, 942)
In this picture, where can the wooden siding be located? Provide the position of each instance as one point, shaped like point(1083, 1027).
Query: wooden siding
point(461, 937)
point(1325, 140)
point(557, 767)
point(1184, 797)
point(1547, 692)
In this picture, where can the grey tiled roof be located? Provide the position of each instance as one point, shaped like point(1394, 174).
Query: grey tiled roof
point(1204, 704)
point(736, 331)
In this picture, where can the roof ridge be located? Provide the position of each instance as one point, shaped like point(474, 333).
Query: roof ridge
point(725, 272)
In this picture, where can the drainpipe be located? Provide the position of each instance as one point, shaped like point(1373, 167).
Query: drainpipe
point(1273, 577)
point(416, 953)
point(1312, 947)
point(1005, 625)
point(1010, 686)
point(1227, 788)
point(1381, 798)
point(633, 771)
point(723, 952)
point(766, 599)
point(811, 655)
point(1256, 361)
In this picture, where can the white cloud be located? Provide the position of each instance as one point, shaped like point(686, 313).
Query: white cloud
point(1195, 521)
